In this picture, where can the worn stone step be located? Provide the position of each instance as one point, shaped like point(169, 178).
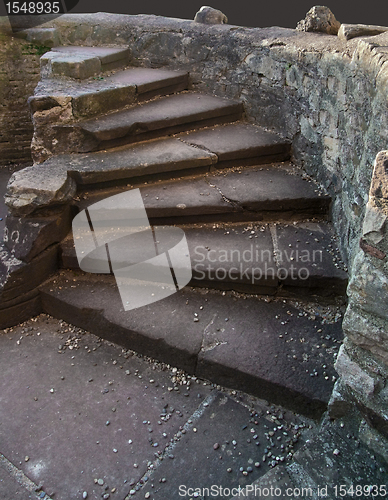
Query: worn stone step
point(156, 118)
point(107, 93)
point(263, 192)
point(275, 259)
point(82, 62)
point(238, 141)
point(270, 349)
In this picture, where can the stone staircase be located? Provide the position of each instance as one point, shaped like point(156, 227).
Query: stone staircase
point(261, 311)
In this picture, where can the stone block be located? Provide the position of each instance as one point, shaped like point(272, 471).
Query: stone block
point(25, 238)
point(379, 185)
point(368, 287)
point(339, 404)
point(17, 278)
point(39, 186)
point(74, 66)
point(349, 31)
point(354, 376)
point(319, 19)
point(208, 15)
point(47, 37)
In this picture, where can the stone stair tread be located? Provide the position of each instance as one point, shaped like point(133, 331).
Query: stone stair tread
point(141, 80)
point(147, 79)
point(165, 155)
point(265, 348)
point(162, 113)
point(274, 187)
point(238, 140)
point(82, 62)
point(241, 257)
point(105, 54)
point(249, 193)
point(152, 157)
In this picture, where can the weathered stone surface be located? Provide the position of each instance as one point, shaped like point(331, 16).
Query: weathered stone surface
point(241, 140)
point(22, 308)
point(96, 96)
point(349, 31)
point(365, 331)
point(226, 330)
point(374, 440)
point(47, 37)
point(37, 186)
point(176, 110)
point(253, 350)
point(72, 66)
point(208, 15)
point(375, 224)
point(83, 398)
point(306, 256)
point(319, 19)
point(81, 62)
point(338, 458)
point(231, 258)
point(339, 403)
point(234, 257)
point(25, 237)
point(276, 187)
point(353, 376)
point(17, 278)
point(379, 184)
point(368, 287)
point(161, 155)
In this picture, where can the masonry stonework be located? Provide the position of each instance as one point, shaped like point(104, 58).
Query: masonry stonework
point(328, 96)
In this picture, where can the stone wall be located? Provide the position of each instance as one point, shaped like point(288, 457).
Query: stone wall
point(19, 75)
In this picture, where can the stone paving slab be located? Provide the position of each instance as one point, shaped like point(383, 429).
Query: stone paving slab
point(62, 395)
point(268, 348)
point(164, 113)
point(10, 488)
point(336, 455)
point(223, 440)
point(239, 140)
point(63, 385)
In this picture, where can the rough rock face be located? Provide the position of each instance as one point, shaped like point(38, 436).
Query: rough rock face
point(349, 31)
point(320, 19)
point(208, 15)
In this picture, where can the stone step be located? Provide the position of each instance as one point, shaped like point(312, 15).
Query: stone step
point(111, 92)
point(82, 62)
point(157, 118)
point(245, 144)
point(264, 192)
point(273, 349)
point(275, 259)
